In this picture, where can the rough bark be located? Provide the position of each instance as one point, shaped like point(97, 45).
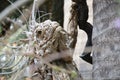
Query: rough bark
point(106, 40)
point(50, 39)
point(79, 16)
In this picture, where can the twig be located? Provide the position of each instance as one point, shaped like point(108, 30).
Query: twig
point(36, 4)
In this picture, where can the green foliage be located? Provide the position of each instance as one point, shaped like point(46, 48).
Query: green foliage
point(17, 36)
point(73, 74)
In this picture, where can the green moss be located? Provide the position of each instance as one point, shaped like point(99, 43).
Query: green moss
point(73, 74)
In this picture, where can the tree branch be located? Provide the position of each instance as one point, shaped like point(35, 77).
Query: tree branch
point(11, 8)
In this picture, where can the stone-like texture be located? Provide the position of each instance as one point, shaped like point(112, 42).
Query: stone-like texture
point(106, 40)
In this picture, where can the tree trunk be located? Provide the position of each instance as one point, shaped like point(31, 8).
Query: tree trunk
point(106, 40)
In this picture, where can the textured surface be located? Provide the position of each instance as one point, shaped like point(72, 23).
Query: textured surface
point(50, 38)
point(106, 40)
point(84, 68)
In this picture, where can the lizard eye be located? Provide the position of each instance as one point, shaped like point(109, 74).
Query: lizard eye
point(39, 33)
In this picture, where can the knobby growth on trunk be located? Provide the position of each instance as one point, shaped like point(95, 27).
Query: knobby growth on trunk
point(45, 53)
